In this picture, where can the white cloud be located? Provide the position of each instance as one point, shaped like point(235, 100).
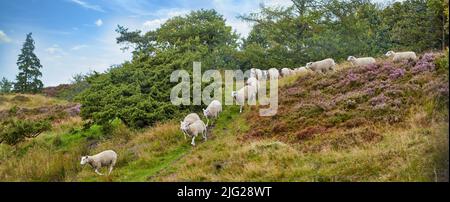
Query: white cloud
point(4, 38)
point(78, 47)
point(54, 49)
point(88, 6)
point(153, 24)
point(99, 22)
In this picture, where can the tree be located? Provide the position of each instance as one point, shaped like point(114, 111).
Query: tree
point(5, 85)
point(138, 92)
point(27, 81)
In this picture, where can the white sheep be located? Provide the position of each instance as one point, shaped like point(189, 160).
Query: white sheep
point(252, 81)
point(399, 56)
point(256, 73)
point(300, 70)
point(245, 93)
point(286, 72)
point(361, 61)
point(189, 119)
point(212, 111)
point(105, 158)
point(273, 73)
point(321, 66)
point(194, 129)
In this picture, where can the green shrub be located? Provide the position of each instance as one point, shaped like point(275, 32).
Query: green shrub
point(15, 130)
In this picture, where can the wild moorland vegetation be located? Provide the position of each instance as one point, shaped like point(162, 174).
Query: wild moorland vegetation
point(382, 122)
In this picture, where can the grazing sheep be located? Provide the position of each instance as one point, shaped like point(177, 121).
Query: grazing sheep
point(286, 72)
point(361, 61)
point(212, 111)
point(189, 119)
point(401, 55)
point(300, 70)
point(194, 129)
point(256, 73)
point(273, 73)
point(105, 158)
point(245, 93)
point(252, 81)
point(321, 66)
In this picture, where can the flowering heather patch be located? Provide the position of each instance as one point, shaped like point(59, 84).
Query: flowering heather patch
point(397, 73)
point(352, 97)
point(352, 78)
point(379, 100)
point(425, 63)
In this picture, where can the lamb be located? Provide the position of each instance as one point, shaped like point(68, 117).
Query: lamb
point(321, 66)
point(286, 72)
point(256, 73)
point(401, 55)
point(245, 93)
point(189, 119)
point(361, 61)
point(194, 129)
point(105, 158)
point(273, 73)
point(212, 111)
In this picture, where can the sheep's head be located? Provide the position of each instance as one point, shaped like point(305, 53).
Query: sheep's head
point(84, 160)
point(206, 112)
point(308, 65)
point(390, 53)
point(184, 126)
point(351, 58)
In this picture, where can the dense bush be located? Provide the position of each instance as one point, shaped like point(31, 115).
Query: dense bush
point(14, 131)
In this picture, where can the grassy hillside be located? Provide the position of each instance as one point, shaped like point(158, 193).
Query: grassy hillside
point(387, 122)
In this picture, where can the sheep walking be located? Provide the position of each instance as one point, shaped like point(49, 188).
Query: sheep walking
point(245, 93)
point(198, 127)
point(361, 61)
point(286, 72)
point(399, 56)
point(189, 119)
point(273, 73)
point(322, 66)
point(212, 111)
point(105, 158)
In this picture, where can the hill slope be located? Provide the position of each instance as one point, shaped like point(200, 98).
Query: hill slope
point(387, 122)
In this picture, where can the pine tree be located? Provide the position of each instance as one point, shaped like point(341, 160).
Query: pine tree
point(27, 81)
point(5, 85)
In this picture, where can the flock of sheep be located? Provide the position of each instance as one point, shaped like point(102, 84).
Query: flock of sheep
point(192, 125)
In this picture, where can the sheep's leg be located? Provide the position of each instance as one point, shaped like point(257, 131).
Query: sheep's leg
point(205, 135)
point(110, 169)
point(193, 141)
point(240, 110)
point(96, 171)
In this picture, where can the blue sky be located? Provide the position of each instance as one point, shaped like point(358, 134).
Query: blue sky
point(77, 36)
